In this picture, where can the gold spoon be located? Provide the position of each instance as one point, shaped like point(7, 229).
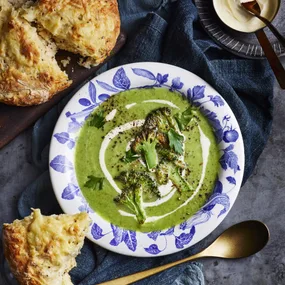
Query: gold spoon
point(254, 9)
point(240, 240)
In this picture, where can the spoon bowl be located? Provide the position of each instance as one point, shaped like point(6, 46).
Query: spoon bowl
point(254, 9)
point(241, 240)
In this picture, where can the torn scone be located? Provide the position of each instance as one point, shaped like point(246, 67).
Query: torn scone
point(89, 28)
point(29, 73)
point(41, 250)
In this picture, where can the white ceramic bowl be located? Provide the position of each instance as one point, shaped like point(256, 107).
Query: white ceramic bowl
point(199, 93)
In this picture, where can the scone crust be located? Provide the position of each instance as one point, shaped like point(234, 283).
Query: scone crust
point(86, 27)
point(15, 250)
point(29, 73)
point(34, 259)
point(16, 253)
point(18, 89)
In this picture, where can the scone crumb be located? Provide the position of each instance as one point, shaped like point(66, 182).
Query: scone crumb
point(65, 62)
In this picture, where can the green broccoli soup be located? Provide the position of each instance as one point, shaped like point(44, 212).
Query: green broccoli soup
point(146, 160)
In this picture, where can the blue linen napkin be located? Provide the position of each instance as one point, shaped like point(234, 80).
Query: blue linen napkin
point(173, 35)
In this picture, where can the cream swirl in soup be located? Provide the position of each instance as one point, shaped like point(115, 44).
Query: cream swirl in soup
point(117, 179)
point(235, 16)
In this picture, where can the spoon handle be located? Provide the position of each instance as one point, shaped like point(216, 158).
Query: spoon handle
point(272, 58)
point(280, 38)
point(143, 274)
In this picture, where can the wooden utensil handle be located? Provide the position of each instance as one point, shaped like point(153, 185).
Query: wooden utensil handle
point(280, 38)
point(272, 58)
point(143, 274)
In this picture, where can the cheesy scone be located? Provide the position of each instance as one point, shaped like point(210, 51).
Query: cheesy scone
point(29, 73)
point(41, 250)
point(86, 27)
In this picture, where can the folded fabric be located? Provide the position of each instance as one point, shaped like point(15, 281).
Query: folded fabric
point(246, 85)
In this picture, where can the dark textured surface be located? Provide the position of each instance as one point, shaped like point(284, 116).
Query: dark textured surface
point(262, 198)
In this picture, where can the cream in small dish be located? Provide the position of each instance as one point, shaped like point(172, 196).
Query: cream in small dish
point(236, 17)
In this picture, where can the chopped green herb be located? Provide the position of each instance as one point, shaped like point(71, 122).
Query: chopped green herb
point(97, 120)
point(175, 141)
point(94, 183)
point(130, 156)
point(184, 118)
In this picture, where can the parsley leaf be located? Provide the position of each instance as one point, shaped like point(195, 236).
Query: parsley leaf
point(175, 141)
point(94, 183)
point(184, 118)
point(97, 120)
point(130, 156)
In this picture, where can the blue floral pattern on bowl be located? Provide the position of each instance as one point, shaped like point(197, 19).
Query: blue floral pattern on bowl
point(199, 94)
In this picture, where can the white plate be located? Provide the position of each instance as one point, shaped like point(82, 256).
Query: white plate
point(197, 91)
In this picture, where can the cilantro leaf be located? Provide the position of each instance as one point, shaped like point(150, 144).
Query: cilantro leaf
point(97, 120)
point(94, 183)
point(130, 156)
point(184, 118)
point(175, 141)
